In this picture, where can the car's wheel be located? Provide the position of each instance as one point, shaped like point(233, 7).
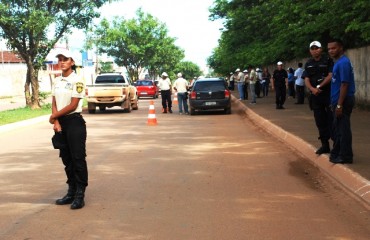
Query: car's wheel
point(154, 96)
point(91, 107)
point(102, 108)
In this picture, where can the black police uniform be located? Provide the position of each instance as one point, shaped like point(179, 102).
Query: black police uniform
point(316, 71)
point(280, 87)
point(73, 153)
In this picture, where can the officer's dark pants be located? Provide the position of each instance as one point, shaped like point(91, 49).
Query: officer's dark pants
point(300, 94)
point(280, 91)
point(246, 89)
point(232, 85)
point(320, 105)
point(258, 89)
point(166, 99)
point(74, 155)
point(342, 134)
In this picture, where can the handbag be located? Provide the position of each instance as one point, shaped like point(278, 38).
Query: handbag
point(58, 140)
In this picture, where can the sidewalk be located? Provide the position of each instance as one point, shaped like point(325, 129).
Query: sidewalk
point(295, 125)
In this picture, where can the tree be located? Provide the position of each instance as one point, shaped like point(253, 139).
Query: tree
point(188, 69)
point(263, 32)
point(142, 42)
point(26, 25)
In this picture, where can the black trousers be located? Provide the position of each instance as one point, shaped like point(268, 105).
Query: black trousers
point(280, 91)
point(166, 99)
point(74, 155)
point(323, 115)
point(342, 133)
point(300, 94)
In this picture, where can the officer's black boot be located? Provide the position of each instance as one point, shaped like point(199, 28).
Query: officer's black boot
point(67, 199)
point(79, 201)
point(325, 148)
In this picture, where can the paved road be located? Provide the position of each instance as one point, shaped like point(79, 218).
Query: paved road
point(190, 177)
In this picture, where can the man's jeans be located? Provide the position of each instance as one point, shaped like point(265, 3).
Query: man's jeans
point(182, 100)
point(241, 90)
point(252, 88)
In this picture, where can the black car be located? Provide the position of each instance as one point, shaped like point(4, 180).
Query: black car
point(210, 94)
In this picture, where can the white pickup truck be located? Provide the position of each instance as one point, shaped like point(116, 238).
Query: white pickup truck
point(109, 90)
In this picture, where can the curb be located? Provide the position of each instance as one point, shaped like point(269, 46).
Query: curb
point(24, 123)
point(352, 182)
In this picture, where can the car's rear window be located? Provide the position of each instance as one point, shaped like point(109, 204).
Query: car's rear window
point(209, 86)
point(110, 79)
point(144, 83)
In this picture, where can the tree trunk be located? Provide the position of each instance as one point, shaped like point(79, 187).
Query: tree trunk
point(31, 87)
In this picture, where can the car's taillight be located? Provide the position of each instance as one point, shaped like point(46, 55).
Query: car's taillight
point(123, 91)
point(227, 93)
point(86, 92)
point(193, 95)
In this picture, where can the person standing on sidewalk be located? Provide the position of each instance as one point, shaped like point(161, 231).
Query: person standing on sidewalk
point(240, 83)
point(280, 84)
point(68, 90)
point(246, 84)
point(299, 84)
point(252, 78)
point(266, 76)
point(342, 102)
point(317, 76)
point(181, 86)
point(165, 86)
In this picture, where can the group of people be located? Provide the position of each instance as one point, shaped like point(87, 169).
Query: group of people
point(331, 86)
point(250, 80)
point(330, 81)
point(181, 86)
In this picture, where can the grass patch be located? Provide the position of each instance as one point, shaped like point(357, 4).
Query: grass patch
point(19, 114)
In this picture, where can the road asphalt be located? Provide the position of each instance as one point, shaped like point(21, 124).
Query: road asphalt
point(294, 127)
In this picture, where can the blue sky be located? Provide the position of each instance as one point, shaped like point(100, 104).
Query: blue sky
point(186, 20)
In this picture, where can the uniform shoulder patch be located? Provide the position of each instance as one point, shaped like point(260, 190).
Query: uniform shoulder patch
point(79, 87)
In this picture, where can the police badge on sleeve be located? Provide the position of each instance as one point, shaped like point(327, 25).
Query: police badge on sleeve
point(79, 87)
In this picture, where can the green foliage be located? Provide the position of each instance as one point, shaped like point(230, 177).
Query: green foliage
point(106, 67)
point(27, 25)
point(142, 42)
point(15, 115)
point(263, 32)
point(188, 69)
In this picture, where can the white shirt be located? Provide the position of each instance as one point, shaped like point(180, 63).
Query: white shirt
point(298, 73)
point(65, 88)
point(164, 84)
point(181, 85)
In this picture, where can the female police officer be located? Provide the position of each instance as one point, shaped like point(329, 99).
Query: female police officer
point(67, 92)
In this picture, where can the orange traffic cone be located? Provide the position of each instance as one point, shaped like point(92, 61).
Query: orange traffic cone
point(152, 120)
point(175, 100)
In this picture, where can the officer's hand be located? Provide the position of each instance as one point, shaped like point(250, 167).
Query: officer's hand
point(316, 91)
point(338, 112)
point(57, 127)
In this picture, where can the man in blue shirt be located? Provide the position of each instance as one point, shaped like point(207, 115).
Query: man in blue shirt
point(342, 102)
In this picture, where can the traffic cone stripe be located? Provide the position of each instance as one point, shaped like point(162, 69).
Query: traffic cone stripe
point(152, 120)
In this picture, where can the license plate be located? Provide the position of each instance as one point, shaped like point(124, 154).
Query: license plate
point(144, 93)
point(210, 103)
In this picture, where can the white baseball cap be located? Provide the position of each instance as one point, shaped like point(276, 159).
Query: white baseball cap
point(245, 71)
point(315, 43)
point(164, 74)
point(237, 70)
point(179, 75)
point(66, 53)
point(279, 63)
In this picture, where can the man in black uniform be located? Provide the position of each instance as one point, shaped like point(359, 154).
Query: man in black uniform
point(317, 75)
point(280, 83)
